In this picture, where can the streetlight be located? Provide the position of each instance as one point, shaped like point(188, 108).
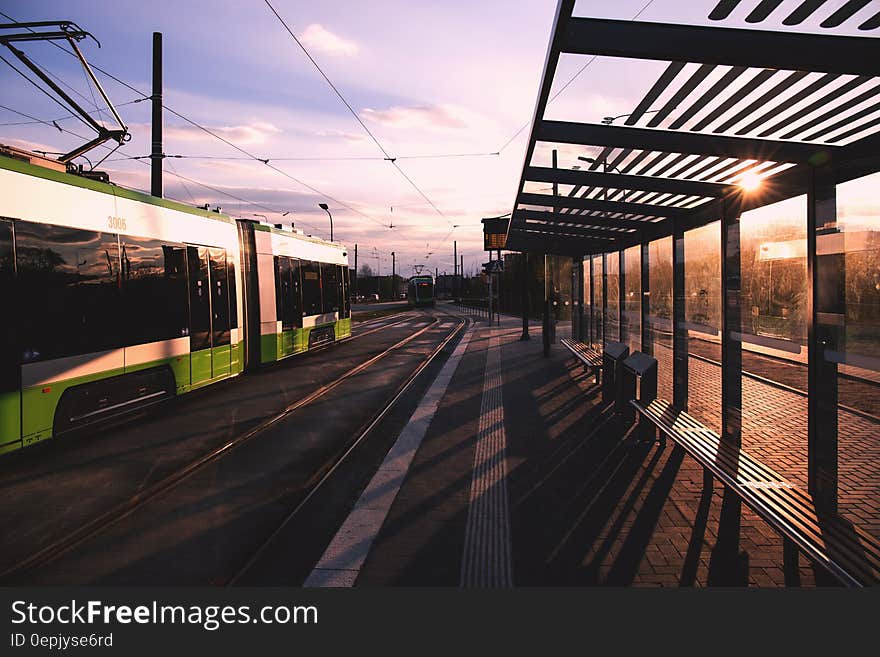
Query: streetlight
point(326, 209)
point(608, 120)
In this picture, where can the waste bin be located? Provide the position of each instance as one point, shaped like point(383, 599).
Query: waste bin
point(612, 371)
point(639, 382)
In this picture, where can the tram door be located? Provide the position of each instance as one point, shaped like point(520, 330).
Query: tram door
point(209, 313)
point(10, 370)
point(221, 349)
point(199, 314)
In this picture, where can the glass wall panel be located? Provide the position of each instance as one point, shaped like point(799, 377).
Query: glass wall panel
point(632, 300)
point(660, 312)
point(612, 277)
point(598, 336)
point(773, 334)
point(856, 241)
point(702, 282)
point(587, 328)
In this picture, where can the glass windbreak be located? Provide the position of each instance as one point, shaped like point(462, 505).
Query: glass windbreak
point(632, 298)
point(660, 312)
point(702, 282)
point(612, 305)
point(598, 290)
point(587, 324)
point(848, 256)
point(773, 335)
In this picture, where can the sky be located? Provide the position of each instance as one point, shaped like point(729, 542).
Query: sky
point(427, 78)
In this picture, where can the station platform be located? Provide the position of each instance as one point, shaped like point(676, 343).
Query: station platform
point(512, 473)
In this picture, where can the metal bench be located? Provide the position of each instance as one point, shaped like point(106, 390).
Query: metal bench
point(846, 552)
point(591, 358)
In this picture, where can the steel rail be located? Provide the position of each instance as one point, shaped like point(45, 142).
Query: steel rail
point(122, 510)
point(324, 474)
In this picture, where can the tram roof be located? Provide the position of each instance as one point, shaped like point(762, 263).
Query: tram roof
point(721, 106)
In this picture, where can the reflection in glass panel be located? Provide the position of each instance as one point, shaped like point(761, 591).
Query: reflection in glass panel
point(330, 287)
point(612, 277)
point(587, 327)
point(310, 272)
point(598, 336)
point(68, 282)
point(852, 248)
point(219, 297)
point(773, 267)
point(9, 356)
point(154, 282)
point(660, 312)
point(702, 283)
point(199, 298)
point(632, 300)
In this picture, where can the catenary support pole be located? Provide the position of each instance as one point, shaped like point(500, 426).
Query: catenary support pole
point(156, 150)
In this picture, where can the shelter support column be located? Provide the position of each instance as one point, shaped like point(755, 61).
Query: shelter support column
point(826, 321)
point(731, 325)
point(645, 307)
point(679, 331)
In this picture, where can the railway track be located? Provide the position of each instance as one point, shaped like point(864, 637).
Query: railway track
point(325, 474)
point(119, 511)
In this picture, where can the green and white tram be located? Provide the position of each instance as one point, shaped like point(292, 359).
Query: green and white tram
point(115, 300)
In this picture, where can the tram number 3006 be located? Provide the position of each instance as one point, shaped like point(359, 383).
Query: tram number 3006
point(116, 223)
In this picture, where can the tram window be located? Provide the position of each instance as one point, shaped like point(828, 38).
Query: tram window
point(199, 298)
point(219, 297)
point(330, 287)
point(8, 341)
point(311, 287)
point(296, 302)
point(346, 296)
point(283, 308)
point(154, 283)
point(68, 283)
point(233, 293)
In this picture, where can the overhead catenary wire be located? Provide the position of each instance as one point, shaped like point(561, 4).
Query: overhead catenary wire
point(357, 117)
point(565, 86)
point(213, 134)
point(247, 154)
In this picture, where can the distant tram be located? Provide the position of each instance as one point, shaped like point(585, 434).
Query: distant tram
point(420, 291)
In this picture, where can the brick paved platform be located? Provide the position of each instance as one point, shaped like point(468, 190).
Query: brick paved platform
point(585, 502)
